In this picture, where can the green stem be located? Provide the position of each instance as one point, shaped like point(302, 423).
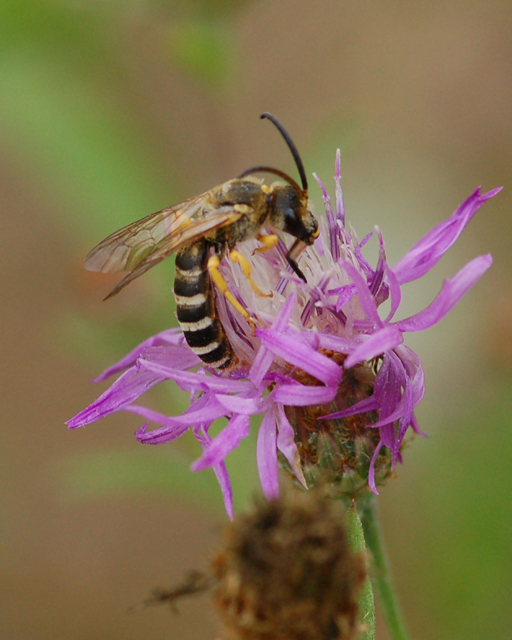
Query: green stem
point(366, 601)
point(381, 574)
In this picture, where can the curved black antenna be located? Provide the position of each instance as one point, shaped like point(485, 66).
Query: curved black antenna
point(279, 173)
point(291, 146)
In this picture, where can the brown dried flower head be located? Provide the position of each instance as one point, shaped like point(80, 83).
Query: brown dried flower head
point(286, 572)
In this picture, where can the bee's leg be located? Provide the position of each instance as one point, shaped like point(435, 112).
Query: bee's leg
point(222, 286)
point(267, 242)
point(236, 256)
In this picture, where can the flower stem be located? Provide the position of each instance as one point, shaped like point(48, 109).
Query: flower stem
point(366, 601)
point(382, 574)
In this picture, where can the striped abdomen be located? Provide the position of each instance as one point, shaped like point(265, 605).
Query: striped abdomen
point(196, 309)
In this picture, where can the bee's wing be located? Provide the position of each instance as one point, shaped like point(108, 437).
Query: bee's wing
point(126, 248)
point(187, 231)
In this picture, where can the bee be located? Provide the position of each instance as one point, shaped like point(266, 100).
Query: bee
point(201, 230)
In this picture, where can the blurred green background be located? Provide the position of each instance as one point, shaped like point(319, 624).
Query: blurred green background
point(111, 110)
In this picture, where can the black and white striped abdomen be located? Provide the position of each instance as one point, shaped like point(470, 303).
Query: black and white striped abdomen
point(196, 309)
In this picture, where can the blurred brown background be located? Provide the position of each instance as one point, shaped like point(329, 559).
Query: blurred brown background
point(111, 110)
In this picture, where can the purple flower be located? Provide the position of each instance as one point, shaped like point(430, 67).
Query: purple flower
point(331, 377)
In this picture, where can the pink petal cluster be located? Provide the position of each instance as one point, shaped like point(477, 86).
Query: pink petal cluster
point(336, 311)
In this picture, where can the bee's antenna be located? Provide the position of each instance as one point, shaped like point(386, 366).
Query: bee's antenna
point(292, 148)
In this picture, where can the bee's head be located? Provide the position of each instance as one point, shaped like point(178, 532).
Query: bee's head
point(289, 203)
point(289, 213)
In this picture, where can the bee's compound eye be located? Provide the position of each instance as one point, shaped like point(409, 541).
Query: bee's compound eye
point(293, 224)
point(291, 215)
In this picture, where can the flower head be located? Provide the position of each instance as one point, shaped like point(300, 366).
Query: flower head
point(286, 571)
point(330, 375)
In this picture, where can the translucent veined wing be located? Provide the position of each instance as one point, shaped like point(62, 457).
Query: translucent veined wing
point(143, 244)
point(196, 229)
point(126, 248)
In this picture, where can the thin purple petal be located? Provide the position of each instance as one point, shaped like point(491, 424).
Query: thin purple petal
point(345, 295)
point(363, 263)
point(380, 269)
point(167, 421)
point(299, 395)
point(127, 388)
point(415, 426)
point(219, 469)
point(404, 423)
point(235, 404)
point(178, 357)
point(170, 336)
point(412, 365)
point(203, 411)
point(371, 474)
point(335, 343)
point(363, 406)
point(266, 454)
point(340, 203)
point(331, 220)
point(159, 436)
point(397, 414)
point(430, 249)
point(264, 357)
point(452, 291)
point(227, 440)
point(296, 352)
point(365, 297)
point(191, 381)
point(381, 341)
point(396, 293)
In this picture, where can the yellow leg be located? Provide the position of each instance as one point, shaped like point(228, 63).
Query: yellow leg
point(267, 242)
point(236, 256)
point(222, 286)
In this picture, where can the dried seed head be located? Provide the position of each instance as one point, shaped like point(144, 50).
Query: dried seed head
point(286, 572)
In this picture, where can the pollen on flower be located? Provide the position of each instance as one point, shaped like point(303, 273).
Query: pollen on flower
point(327, 370)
